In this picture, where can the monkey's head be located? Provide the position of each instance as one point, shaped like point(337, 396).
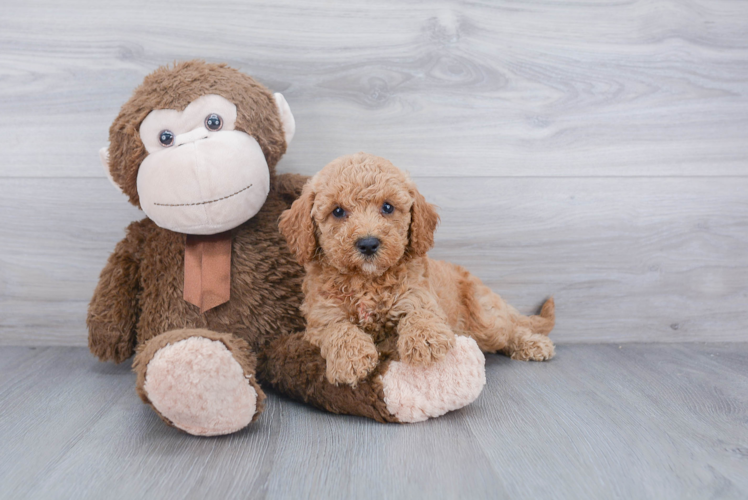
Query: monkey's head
point(196, 146)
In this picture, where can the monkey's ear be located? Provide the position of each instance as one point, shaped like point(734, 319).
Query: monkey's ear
point(423, 221)
point(289, 124)
point(297, 226)
point(104, 157)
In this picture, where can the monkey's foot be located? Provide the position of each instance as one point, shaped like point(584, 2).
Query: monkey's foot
point(198, 386)
point(416, 393)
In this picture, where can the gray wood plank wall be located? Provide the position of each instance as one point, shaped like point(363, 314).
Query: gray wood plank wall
point(595, 151)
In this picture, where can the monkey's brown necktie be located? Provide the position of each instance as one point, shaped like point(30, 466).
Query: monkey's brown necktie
point(207, 270)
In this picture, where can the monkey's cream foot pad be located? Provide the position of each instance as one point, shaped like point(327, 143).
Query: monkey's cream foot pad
point(198, 385)
point(414, 394)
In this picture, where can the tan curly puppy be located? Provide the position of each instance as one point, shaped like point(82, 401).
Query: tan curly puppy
point(362, 230)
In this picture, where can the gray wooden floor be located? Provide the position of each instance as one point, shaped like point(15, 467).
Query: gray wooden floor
point(599, 421)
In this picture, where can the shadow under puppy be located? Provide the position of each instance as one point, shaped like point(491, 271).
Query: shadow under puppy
point(362, 230)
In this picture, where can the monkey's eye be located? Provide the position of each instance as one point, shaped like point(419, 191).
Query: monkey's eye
point(387, 208)
point(338, 213)
point(166, 138)
point(213, 122)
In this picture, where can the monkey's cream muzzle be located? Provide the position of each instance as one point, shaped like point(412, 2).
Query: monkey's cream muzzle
point(205, 185)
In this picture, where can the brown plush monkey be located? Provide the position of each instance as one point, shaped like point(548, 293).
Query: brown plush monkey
point(205, 290)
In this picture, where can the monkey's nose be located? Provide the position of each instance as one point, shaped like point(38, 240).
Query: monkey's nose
point(368, 246)
point(191, 136)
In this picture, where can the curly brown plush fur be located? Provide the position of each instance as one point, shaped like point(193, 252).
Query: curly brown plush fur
point(355, 303)
point(138, 304)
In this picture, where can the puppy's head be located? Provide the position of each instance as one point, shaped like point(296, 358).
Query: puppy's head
point(359, 214)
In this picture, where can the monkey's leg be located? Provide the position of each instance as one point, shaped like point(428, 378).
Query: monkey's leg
point(199, 381)
point(394, 392)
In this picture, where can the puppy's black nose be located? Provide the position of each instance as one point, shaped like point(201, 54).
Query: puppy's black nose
point(368, 246)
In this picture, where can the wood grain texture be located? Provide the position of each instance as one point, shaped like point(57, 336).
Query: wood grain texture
point(591, 150)
point(632, 260)
point(447, 88)
point(598, 421)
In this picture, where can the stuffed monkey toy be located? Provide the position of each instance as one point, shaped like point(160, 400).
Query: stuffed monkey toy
point(204, 291)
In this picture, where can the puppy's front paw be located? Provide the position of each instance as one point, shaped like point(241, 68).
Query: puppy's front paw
point(424, 343)
point(351, 361)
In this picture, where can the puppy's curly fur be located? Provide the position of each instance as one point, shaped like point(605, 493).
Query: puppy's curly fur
point(396, 302)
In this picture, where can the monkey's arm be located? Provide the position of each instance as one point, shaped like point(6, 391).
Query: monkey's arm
point(114, 308)
point(424, 335)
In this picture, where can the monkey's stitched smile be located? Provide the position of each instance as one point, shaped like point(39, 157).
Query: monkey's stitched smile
point(201, 202)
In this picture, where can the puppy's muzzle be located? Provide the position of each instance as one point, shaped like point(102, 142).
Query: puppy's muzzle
point(368, 246)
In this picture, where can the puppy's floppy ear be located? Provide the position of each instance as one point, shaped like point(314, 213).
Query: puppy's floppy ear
point(297, 226)
point(423, 221)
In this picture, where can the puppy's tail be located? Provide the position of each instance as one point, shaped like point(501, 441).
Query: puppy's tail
point(543, 323)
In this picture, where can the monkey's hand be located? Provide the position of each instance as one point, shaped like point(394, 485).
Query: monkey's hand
point(424, 338)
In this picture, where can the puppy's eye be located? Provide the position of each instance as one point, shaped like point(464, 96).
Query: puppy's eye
point(166, 138)
point(338, 213)
point(213, 122)
point(387, 208)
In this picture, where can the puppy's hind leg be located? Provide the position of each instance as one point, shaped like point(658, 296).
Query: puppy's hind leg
point(525, 345)
point(541, 323)
point(529, 339)
point(499, 327)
